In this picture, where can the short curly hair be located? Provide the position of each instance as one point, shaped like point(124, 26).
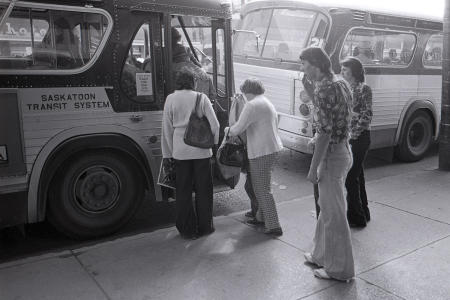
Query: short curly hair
point(252, 86)
point(184, 80)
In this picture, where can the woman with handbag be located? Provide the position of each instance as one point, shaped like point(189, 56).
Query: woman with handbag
point(259, 121)
point(358, 213)
point(192, 157)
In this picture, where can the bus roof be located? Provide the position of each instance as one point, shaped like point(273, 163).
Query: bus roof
point(326, 5)
point(217, 8)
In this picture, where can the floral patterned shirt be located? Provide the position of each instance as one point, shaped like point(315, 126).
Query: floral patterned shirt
point(362, 109)
point(332, 109)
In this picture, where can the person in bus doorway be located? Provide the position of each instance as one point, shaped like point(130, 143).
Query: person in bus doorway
point(332, 158)
point(259, 121)
point(183, 58)
point(352, 71)
point(192, 164)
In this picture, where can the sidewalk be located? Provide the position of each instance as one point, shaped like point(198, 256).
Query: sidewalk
point(404, 253)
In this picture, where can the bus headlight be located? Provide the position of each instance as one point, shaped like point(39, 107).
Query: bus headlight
point(304, 110)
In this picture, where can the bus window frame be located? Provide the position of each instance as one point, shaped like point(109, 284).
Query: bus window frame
point(320, 15)
point(67, 8)
point(413, 55)
point(423, 55)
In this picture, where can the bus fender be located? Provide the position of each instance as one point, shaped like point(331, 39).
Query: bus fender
point(412, 106)
point(67, 142)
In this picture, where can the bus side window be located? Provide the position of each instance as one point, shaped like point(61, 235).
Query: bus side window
point(432, 56)
point(44, 39)
point(378, 47)
point(137, 80)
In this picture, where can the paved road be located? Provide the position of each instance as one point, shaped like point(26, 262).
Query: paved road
point(289, 182)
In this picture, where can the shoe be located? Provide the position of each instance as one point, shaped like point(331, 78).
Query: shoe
point(274, 232)
point(254, 222)
point(357, 225)
point(321, 273)
point(357, 222)
point(367, 213)
point(309, 259)
point(202, 233)
point(249, 214)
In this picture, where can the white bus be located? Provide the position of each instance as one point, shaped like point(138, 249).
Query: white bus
point(402, 56)
point(82, 88)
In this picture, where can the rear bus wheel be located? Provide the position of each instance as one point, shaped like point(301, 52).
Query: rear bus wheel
point(94, 195)
point(416, 138)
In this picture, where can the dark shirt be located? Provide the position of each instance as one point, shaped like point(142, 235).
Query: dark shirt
point(362, 109)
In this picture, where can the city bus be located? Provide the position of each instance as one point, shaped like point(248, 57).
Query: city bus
point(82, 89)
point(402, 56)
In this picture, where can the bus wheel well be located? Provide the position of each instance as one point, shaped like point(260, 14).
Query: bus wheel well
point(106, 143)
point(411, 111)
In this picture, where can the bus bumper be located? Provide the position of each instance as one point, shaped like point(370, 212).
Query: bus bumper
point(295, 142)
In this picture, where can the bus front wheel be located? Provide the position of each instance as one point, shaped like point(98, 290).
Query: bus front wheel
point(94, 195)
point(416, 138)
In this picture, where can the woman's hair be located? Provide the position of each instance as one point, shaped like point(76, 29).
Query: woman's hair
point(252, 86)
point(176, 36)
point(184, 80)
point(356, 67)
point(318, 58)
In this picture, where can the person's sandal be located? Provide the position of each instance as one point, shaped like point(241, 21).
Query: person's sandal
point(249, 214)
point(309, 259)
point(321, 273)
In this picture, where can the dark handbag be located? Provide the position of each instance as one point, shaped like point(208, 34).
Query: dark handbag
point(233, 153)
point(198, 132)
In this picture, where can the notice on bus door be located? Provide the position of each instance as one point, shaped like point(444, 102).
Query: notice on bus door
point(144, 85)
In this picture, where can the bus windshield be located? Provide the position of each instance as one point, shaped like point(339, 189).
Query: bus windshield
point(274, 33)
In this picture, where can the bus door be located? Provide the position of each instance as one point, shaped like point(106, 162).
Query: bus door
point(207, 41)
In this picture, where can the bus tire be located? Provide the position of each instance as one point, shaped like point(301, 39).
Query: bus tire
point(95, 195)
point(416, 137)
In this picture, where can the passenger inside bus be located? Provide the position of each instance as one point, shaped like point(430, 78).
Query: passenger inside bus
point(283, 51)
point(183, 59)
point(66, 46)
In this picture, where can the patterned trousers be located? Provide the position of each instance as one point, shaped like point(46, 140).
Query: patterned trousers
point(260, 175)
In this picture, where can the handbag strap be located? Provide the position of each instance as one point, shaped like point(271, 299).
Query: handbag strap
point(197, 102)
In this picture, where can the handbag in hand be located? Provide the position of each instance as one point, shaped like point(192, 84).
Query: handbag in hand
point(198, 132)
point(233, 153)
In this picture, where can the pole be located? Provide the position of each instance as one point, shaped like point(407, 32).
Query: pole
point(444, 138)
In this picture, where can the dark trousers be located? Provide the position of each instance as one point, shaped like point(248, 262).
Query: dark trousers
point(194, 218)
point(357, 207)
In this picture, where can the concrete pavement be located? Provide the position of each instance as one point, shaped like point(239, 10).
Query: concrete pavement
point(402, 254)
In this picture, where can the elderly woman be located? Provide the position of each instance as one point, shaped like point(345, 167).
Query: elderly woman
point(192, 164)
point(332, 159)
point(352, 71)
point(260, 122)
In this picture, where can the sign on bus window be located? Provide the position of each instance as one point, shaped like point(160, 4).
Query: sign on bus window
point(432, 56)
point(45, 39)
point(379, 47)
point(137, 80)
